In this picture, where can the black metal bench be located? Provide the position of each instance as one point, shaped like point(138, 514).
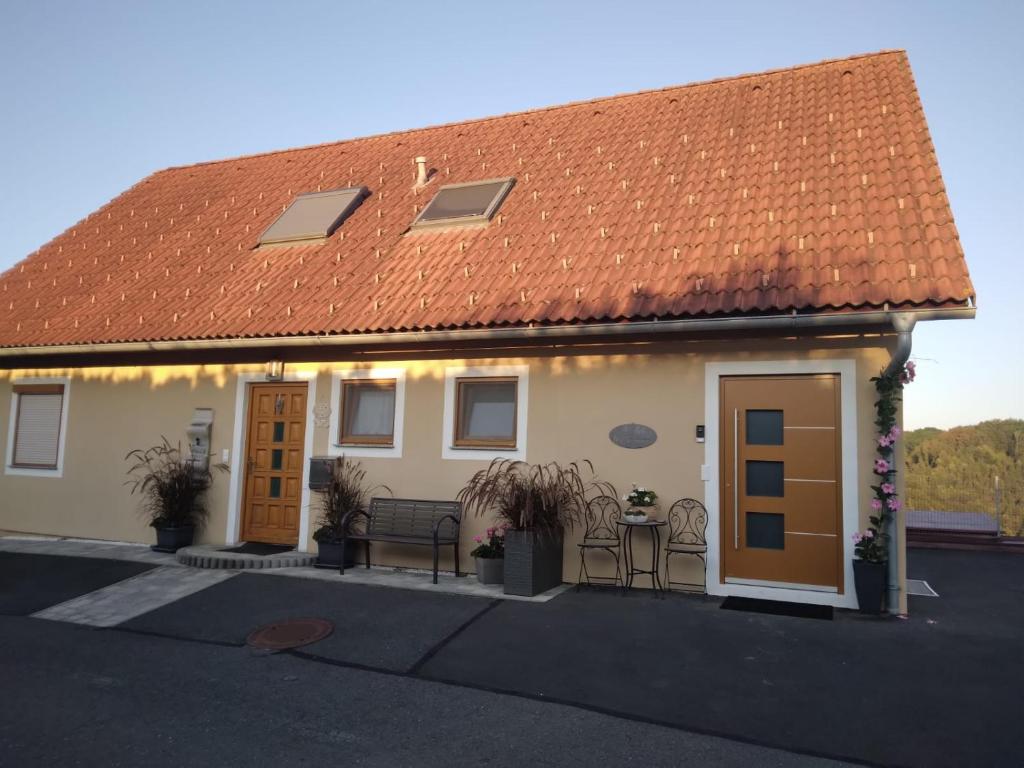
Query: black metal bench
point(407, 521)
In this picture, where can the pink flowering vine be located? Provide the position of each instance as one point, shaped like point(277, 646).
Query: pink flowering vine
point(909, 373)
point(871, 544)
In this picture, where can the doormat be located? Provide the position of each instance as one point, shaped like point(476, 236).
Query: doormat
point(778, 608)
point(256, 548)
point(921, 588)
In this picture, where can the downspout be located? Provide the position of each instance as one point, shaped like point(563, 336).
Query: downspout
point(904, 323)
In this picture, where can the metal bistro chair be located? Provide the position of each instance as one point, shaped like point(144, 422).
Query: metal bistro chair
point(601, 534)
point(687, 522)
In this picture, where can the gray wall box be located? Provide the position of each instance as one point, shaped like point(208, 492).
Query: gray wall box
point(320, 472)
point(199, 431)
point(633, 436)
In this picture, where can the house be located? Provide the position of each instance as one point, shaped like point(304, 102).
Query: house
point(735, 257)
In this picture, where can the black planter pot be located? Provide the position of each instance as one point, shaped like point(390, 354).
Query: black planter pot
point(172, 538)
point(329, 554)
point(533, 562)
point(869, 580)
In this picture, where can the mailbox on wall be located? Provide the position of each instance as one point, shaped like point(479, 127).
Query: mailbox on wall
point(320, 470)
point(199, 438)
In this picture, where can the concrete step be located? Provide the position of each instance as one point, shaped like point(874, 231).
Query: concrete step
point(211, 556)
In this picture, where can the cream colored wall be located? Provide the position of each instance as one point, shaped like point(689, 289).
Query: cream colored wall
point(110, 412)
point(574, 400)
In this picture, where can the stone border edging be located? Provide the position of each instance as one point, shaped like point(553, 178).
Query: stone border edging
point(210, 556)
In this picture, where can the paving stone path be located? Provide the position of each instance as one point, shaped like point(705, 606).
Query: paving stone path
point(106, 550)
point(376, 576)
point(133, 597)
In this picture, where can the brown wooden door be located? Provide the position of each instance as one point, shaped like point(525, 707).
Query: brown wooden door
point(274, 457)
point(780, 480)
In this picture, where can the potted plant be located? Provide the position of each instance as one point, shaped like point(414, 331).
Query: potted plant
point(173, 491)
point(489, 555)
point(640, 500)
point(344, 493)
point(869, 569)
point(538, 502)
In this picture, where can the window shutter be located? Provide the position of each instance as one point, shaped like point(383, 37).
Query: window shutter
point(37, 432)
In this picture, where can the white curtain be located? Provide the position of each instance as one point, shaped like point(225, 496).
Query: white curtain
point(489, 410)
point(371, 411)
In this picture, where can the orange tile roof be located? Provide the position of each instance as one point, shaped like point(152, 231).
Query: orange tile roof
point(809, 189)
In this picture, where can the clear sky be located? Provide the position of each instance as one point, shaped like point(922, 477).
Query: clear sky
point(99, 94)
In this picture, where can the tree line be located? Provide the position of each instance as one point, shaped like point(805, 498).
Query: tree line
point(955, 470)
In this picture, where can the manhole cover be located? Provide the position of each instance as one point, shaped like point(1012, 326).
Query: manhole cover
point(290, 633)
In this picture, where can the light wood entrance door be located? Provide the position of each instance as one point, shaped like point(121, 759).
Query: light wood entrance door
point(780, 481)
point(275, 437)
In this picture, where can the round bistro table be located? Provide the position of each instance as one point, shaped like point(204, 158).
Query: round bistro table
point(654, 526)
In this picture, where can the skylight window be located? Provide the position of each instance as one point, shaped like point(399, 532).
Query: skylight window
point(471, 203)
point(313, 216)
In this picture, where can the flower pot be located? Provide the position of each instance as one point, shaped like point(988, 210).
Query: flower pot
point(533, 562)
point(171, 538)
point(329, 554)
point(490, 570)
point(869, 581)
point(636, 517)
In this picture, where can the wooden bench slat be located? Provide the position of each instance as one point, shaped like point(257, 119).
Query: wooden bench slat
point(399, 539)
point(412, 518)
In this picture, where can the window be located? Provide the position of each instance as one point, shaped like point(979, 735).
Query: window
point(472, 203)
point(36, 426)
point(764, 428)
point(485, 411)
point(765, 530)
point(313, 216)
point(368, 412)
point(765, 478)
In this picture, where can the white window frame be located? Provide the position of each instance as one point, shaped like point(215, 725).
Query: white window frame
point(57, 471)
point(468, 453)
point(847, 371)
point(393, 451)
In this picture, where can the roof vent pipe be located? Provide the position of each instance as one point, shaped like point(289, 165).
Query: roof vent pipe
point(421, 171)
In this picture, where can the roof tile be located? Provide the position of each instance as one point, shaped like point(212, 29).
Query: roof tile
point(808, 189)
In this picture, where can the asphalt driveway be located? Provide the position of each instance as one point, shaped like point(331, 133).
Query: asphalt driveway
point(630, 679)
point(387, 629)
point(29, 583)
point(891, 692)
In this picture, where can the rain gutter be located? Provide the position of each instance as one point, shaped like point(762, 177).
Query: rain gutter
point(778, 323)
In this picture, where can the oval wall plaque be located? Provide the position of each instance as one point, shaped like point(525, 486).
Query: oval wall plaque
point(633, 436)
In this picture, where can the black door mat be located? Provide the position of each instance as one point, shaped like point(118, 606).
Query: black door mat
point(256, 548)
point(778, 608)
